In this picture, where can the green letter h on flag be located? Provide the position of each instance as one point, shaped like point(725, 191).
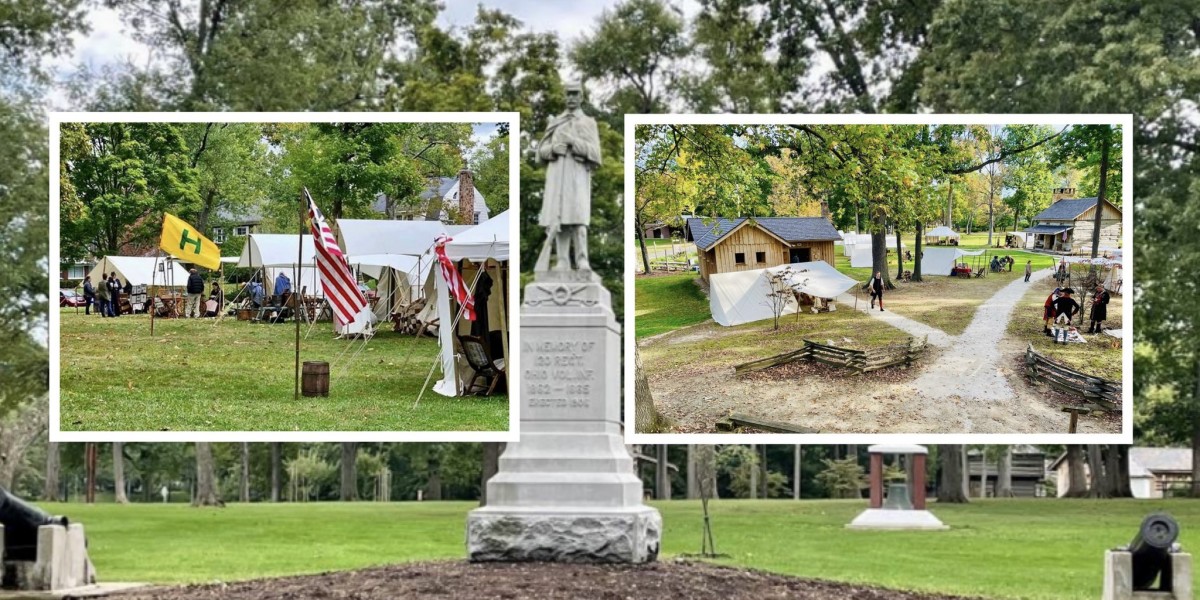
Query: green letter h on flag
point(184, 240)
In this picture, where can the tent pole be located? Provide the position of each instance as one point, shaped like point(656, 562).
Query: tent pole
point(153, 272)
point(299, 257)
point(503, 321)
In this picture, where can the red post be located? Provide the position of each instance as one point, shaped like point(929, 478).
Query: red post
point(918, 491)
point(876, 480)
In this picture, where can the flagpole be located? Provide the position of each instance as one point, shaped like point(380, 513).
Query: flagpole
point(296, 271)
point(152, 297)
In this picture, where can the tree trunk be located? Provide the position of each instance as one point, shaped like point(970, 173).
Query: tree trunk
point(899, 254)
point(949, 203)
point(983, 471)
point(1100, 195)
point(762, 474)
point(966, 472)
point(693, 482)
point(1098, 479)
point(206, 477)
point(349, 469)
point(491, 464)
point(1124, 489)
point(662, 474)
point(244, 488)
point(641, 239)
point(53, 476)
point(1004, 473)
point(916, 275)
point(754, 472)
point(433, 486)
point(798, 456)
point(950, 485)
point(1112, 471)
point(1077, 486)
point(879, 252)
point(118, 450)
point(646, 416)
point(276, 471)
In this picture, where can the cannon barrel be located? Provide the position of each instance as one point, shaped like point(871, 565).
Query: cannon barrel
point(21, 521)
point(1151, 549)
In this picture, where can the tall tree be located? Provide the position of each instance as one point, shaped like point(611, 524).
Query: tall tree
point(349, 472)
point(53, 482)
point(953, 476)
point(206, 477)
point(118, 465)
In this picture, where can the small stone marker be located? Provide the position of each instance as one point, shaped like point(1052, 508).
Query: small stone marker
point(1151, 566)
point(41, 552)
point(566, 492)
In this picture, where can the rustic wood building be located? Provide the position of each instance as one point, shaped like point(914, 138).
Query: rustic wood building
point(742, 244)
point(1067, 225)
point(1028, 472)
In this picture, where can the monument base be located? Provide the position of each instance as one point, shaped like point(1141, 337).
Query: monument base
point(507, 534)
point(1118, 578)
point(62, 561)
point(897, 520)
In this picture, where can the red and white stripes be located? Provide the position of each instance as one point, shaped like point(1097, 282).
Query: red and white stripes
point(336, 277)
point(453, 279)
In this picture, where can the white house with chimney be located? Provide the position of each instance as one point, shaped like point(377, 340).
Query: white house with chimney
point(461, 202)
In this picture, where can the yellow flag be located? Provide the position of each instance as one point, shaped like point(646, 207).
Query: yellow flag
point(185, 243)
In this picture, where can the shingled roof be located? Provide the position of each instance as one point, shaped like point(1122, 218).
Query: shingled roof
point(1066, 210)
point(788, 229)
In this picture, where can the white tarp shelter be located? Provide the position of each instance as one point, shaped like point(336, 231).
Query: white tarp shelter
point(742, 296)
point(483, 248)
point(941, 232)
point(858, 243)
point(939, 261)
point(141, 270)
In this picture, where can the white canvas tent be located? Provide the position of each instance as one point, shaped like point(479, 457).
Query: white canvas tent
point(363, 237)
point(860, 243)
point(277, 253)
point(741, 296)
point(939, 261)
point(484, 247)
point(941, 232)
point(141, 270)
point(860, 255)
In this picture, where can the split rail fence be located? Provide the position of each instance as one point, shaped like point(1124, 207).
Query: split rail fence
point(1102, 391)
point(861, 361)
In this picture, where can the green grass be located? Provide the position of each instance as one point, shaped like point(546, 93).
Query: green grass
point(668, 302)
point(238, 376)
point(1097, 357)
point(1027, 548)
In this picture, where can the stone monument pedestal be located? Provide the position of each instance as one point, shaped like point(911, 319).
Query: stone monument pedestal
point(62, 561)
point(1118, 578)
point(567, 491)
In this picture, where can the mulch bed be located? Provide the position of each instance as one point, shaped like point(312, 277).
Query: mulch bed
point(540, 581)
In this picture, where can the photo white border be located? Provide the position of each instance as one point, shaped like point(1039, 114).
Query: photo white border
point(56, 119)
point(1126, 435)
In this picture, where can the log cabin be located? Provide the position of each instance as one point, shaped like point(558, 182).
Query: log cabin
point(1067, 225)
point(745, 243)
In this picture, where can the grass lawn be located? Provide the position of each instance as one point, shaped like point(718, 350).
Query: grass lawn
point(668, 302)
point(238, 376)
point(1097, 357)
point(1025, 548)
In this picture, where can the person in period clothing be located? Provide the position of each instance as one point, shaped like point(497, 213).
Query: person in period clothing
point(875, 287)
point(1099, 309)
point(571, 150)
point(1065, 308)
point(216, 295)
point(1028, 270)
point(283, 288)
point(195, 292)
point(102, 297)
point(114, 294)
point(255, 291)
point(1048, 311)
point(89, 296)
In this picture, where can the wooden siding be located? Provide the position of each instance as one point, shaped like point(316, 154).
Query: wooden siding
point(750, 240)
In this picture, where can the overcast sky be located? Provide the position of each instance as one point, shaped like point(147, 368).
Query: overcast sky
point(109, 40)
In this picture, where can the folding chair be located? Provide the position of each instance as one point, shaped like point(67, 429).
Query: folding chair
point(475, 350)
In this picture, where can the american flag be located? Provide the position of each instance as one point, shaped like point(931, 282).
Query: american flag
point(336, 278)
point(453, 278)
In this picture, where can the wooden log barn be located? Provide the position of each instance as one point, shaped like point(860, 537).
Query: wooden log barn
point(745, 243)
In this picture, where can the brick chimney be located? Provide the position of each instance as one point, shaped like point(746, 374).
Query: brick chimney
point(466, 197)
point(1062, 193)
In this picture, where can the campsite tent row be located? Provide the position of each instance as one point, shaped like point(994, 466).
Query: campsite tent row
point(141, 270)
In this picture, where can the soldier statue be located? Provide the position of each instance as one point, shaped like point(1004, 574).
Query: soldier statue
point(571, 150)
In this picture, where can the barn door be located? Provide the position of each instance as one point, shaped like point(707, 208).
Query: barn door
point(800, 255)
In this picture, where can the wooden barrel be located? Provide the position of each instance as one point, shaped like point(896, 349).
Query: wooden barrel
point(244, 314)
point(314, 379)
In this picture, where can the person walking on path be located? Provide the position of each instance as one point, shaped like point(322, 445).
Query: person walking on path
point(1028, 270)
point(102, 306)
point(1099, 309)
point(114, 294)
point(89, 296)
point(875, 286)
point(195, 291)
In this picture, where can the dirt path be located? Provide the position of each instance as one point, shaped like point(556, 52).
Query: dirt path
point(965, 385)
point(935, 336)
